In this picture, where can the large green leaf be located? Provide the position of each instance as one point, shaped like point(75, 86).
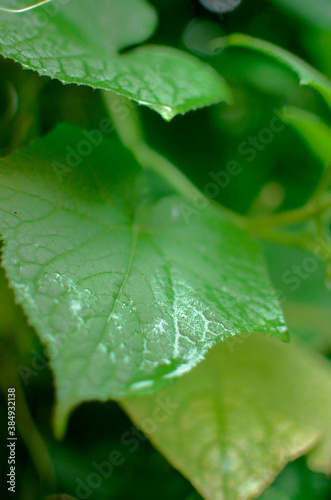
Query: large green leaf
point(122, 288)
point(307, 75)
point(233, 423)
point(79, 41)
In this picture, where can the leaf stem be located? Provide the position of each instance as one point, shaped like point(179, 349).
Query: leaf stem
point(261, 224)
point(301, 241)
point(130, 133)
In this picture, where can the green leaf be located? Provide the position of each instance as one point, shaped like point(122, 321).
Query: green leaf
point(79, 42)
point(307, 75)
point(317, 13)
point(315, 133)
point(234, 422)
point(78, 27)
point(126, 293)
point(317, 136)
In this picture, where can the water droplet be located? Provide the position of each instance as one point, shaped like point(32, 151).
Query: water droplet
point(101, 347)
point(142, 384)
point(76, 306)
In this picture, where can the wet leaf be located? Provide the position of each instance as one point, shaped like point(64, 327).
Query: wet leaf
point(79, 42)
point(122, 288)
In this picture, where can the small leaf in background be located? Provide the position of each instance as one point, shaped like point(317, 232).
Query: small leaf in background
point(315, 133)
point(316, 13)
point(241, 415)
point(307, 75)
point(79, 42)
point(125, 291)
